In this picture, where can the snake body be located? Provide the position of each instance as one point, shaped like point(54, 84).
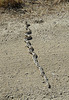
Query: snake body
point(27, 39)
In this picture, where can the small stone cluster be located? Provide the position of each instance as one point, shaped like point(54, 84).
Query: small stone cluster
point(27, 39)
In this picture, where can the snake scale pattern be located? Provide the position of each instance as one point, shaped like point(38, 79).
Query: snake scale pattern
point(27, 39)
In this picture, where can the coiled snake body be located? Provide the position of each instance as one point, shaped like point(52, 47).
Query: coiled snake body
point(27, 39)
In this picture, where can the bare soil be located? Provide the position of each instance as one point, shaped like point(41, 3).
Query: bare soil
point(19, 77)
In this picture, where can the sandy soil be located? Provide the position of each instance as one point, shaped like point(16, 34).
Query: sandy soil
point(19, 77)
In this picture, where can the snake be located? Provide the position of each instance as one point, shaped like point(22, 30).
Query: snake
point(27, 40)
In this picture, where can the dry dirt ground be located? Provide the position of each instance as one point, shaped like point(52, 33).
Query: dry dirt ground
point(19, 77)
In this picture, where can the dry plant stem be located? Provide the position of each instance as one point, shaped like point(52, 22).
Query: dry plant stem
point(34, 55)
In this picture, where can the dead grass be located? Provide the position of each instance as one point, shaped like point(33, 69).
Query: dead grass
point(5, 3)
point(11, 3)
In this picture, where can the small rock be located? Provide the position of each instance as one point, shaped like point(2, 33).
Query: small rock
point(26, 73)
point(61, 93)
